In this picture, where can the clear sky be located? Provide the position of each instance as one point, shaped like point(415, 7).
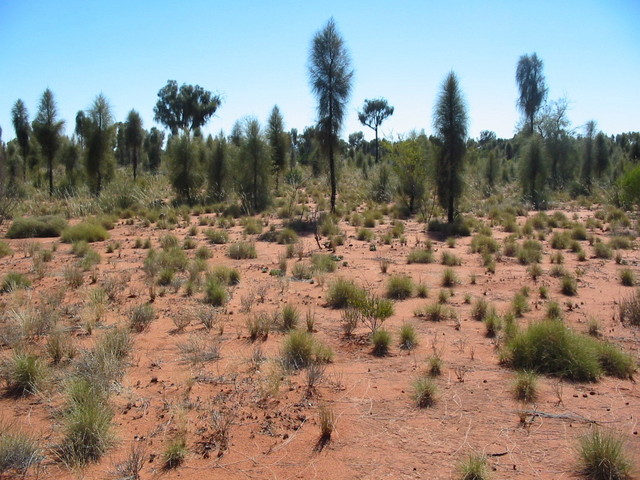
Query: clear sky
point(255, 53)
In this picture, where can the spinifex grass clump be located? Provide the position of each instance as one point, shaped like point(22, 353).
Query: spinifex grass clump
point(344, 293)
point(89, 231)
point(420, 256)
point(242, 250)
point(602, 457)
point(424, 391)
point(46, 226)
point(399, 287)
point(19, 451)
point(300, 349)
point(552, 348)
point(630, 309)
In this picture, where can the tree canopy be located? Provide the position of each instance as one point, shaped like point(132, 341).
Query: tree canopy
point(47, 130)
point(533, 90)
point(187, 108)
point(373, 114)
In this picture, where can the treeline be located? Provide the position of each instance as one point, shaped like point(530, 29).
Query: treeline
point(250, 164)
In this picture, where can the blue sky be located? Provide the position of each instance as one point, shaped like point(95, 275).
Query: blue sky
point(254, 53)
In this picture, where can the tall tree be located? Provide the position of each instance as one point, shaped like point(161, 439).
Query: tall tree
point(255, 171)
point(330, 74)
point(184, 154)
point(153, 148)
point(98, 131)
point(47, 130)
point(451, 121)
point(187, 108)
point(277, 142)
point(601, 154)
point(588, 166)
point(533, 90)
point(533, 174)
point(554, 128)
point(373, 114)
point(20, 119)
point(133, 138)
point(219, 158)
point(410, 165)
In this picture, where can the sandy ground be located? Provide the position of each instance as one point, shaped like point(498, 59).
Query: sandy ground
point(379, 432)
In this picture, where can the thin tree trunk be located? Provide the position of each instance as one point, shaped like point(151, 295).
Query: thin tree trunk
point(50, 165)
point(377, 147)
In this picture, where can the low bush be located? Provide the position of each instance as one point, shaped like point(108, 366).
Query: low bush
point(287, 236)
point(323, 263)
point(217, 237)
point(550, 347)
point(175, 452)
point(602, 250)
point(408, 337)
point(449, 278)
point(18, 453)
point(450, 260)
point(300, 349)
point(141, 316)
point(23, 373)
point(627, 277)
point(424, 392)
point(344, 293)
point(5, 249)
point(14, 281)
point(484, 244)
point(215, 293)
point(525, 386)
point(43, 227)
point(420, 256)
point(290, 317)
point(225, 275)
point(601, 456)
point(629, 309)
point(381, 340)
point(242, 250)
point(474, 467)
point(569, 285)
point(399, 287)
point(364, 234)
point(89, 231)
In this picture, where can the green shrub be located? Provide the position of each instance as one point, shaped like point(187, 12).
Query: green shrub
point(252, 226)
point(554, 312)
point(218, 237)
point(46, 226)
point(203, 253)
point(381, 340)
point(18, 453)
point(450, 260)
point(168, 241)
point(290, 317)
point(434, 313)
point(175, 452)
point(449, 278)
point(484, 244)
point(242, 250)
point(481, 309)
point(344, 293)
point(323, 263)
point(23, 373)
point(420, 256)
point(141, 316)
point(225, 275)
point(89, 231)
point(298, 349)
point(301, 271)
point(630, 309)
point(569, 285)
point(492, 324)
point(602, 250)
point(399, 287)
point(435, 365)
point(287, 237)
point(579, 232)
point(259, 326)
point(424, 392)
point(408, 337)
point(5, 249)
point(364, 234)
point(530, 252)
point(627, 277)
point(602, 457)
point(474, 467)
point(215, 293)
point(620, 243)
point(14, 281)
point(550, 347)
point(525, 386)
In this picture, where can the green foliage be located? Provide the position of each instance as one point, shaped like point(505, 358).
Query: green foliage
point(89, 231)
point(344, 293)
point(381, 340)
point(408, 337)
point(187, 108)
point(420, 256)
point(218, 237)
point(550, 347)
point(215, 293)
point(141, 316)
point(364, 234)
point(602, 250)
point(449, 278)
point(5, 249)
point(530, 252)
point(330, 75)
point(255, 175)
point(175, 452)
point(474, 467)
point(14, 281)
point(97, 131)
point(484, 244)
point(300, 349)
point(630, 309)
point(424, 392)
point(23, 373)
point(18, 452)
point(629, 184)
point(287, 237)
point(450, 259)
point(525, 386)
point(532, 88)
point(184, 155)
point(30, 227)
point(602, 457)
point(290, 317)
point(533, 173)
point(225, 275)
point(451, 123)
point(410, 165)
point(627, 277)
point(242, 250)
point(399, 287)
point(569, 285)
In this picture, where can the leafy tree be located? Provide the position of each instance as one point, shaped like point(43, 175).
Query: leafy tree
point(121, 154)
point(491, 172)
point(153, 148)
point(254, 167)
point(218, 165)
point(554, 128)
point(410, 166)
point(47, 130)
point(373, 114)
point(330, 75)
point(277, 142)
point(70, 155)
point(98, 130)
point(187, 108)
point(133, 138)
point(487, 139)
point(293, 141)
point(451, 123)
point(235, 137)
point(588, 166)
point(533, 172)
point(184, 154)
point(20, 119)
point(601, 154)
point(531, 83)
point(82, 128)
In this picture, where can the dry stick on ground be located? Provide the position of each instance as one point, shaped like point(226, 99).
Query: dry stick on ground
point(561, 416)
